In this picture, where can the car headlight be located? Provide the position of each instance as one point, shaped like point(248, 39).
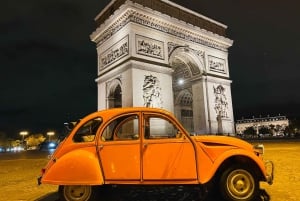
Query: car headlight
point(259, 149)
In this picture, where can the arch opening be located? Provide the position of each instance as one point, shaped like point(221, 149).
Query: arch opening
point(187, 68)
point(114, 98)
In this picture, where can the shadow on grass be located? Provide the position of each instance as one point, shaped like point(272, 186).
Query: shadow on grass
point(49, 197)
point(152, 194)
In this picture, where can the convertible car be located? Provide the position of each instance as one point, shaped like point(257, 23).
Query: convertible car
point(148, 146)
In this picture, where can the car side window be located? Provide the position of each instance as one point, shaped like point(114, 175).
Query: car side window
point(122, 128)
point(87, 132)
point(158, 128)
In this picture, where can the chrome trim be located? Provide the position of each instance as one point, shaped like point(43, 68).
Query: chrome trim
point(260, 148)
point(270, 172)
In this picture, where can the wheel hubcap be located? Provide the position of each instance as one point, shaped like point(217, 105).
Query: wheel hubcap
point(240, 184)
point(77, 193)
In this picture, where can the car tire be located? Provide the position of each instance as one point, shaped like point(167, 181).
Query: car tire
point(76, 193)
point(239, 184)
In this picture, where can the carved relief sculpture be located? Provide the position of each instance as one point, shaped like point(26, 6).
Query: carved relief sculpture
point(216, 64)
point(114, 53)
point(221, 103)
point(152, 92)
point(149, 47)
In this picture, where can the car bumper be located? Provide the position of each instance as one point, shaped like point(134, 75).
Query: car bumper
point(270, 172)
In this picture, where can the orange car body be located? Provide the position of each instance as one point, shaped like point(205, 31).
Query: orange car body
point(107, 157)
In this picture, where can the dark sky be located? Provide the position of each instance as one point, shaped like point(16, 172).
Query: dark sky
point(48, 63)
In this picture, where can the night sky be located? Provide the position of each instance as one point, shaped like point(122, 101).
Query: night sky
point(48, 63)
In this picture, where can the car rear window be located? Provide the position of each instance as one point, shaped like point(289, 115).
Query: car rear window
point(87, 132)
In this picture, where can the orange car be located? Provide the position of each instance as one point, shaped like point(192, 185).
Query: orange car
point(148, 146)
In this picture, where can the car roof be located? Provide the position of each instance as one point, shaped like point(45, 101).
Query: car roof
point(116, 111)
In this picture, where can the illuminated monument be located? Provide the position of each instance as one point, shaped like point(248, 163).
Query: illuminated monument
point(156, 53)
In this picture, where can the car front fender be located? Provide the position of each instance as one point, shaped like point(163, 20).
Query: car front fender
point(233, 154)
point(78, 167)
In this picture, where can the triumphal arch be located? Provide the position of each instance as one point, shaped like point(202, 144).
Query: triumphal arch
point(156, 53)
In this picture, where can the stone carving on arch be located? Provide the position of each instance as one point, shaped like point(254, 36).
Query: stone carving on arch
point(217, 64)
point(221, 102)
point(145, 20)
point(152, 91)
point(149, 47)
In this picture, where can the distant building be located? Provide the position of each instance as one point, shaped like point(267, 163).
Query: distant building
point(276, 124)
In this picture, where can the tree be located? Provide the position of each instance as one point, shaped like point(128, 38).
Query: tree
point(34, 140)
point(264, 130)
point(250, 131)
point(278, 129)
point(2, 138)
point(294, 126)
point(272, 128)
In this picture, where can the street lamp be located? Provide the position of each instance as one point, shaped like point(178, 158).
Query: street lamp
point(23, 133)
point(50, 133)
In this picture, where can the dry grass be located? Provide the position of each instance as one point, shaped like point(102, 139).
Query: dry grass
point(18, 180)
point(286, 157)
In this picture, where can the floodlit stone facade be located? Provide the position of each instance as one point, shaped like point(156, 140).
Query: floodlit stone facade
point(155, 53)
point(276, 124)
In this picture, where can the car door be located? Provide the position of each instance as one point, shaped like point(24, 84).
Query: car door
point(119, 149)
point(167, 154)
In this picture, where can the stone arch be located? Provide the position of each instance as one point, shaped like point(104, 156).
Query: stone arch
point(114, 93)
point(188, 62)
point(188, 66)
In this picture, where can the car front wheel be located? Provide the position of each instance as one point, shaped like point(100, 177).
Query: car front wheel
point(76, 193)
point(239, 184)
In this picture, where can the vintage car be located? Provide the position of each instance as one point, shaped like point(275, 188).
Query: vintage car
point(148, 146)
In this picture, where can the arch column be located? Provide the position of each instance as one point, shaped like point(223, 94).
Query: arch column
point(200, 112)
point(177, 111)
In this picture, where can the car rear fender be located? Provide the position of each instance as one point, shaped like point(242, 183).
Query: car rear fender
point(78, 167)
point(229, 158)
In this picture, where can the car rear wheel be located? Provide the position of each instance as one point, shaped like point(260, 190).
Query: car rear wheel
point(239, 184)
point(76, 193)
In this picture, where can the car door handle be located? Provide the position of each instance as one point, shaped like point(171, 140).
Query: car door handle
point(145, 145)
